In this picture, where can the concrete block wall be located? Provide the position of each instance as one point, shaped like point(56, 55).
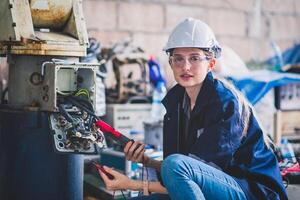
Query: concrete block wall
point(246, 26)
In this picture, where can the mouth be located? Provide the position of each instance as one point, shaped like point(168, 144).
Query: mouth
point(186, 76)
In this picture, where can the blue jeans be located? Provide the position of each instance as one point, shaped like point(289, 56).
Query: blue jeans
point(187, 178)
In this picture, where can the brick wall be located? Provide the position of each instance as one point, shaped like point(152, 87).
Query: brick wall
point(247, 26)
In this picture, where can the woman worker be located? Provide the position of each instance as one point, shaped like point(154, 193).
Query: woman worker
point(214, 147)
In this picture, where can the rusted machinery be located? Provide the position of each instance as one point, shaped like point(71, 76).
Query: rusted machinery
point(43, 41)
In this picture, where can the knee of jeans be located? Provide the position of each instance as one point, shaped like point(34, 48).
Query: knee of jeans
point(171, 165)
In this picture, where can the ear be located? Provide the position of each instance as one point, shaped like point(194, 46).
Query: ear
point(211, 64)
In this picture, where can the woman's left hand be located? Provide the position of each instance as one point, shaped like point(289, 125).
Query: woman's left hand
point(120, 181)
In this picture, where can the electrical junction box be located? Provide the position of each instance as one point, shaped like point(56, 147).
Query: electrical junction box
point(39, 81)
point(66, 78)
point(128, 118)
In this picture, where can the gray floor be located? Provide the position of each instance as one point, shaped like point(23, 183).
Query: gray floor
point(293, 192)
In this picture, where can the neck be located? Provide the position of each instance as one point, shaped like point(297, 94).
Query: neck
point(193, 92)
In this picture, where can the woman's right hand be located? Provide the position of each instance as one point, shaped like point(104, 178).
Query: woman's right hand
point(135, 151)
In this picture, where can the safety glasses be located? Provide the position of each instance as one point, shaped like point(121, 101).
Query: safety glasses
point(180, 61)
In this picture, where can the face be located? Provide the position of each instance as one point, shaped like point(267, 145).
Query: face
point(190, 66)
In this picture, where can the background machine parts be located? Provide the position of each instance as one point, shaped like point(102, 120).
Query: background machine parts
point(43, 53)
point(287, 97)
point(128, 76)
point(77, 136)
point(43, 41)
point(128, 118)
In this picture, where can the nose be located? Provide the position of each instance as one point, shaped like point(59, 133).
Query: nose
point(186, 65)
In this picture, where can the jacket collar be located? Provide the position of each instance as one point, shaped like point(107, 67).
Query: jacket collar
point(175, 95)
point(205, 94)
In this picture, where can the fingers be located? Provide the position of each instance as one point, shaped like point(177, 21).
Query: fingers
point(104, 177)
point(110, 184)
point(134, 151)
point(139, 152)
point(120, 181)
point(140, 157)
point(127, 147)
point(111, 171)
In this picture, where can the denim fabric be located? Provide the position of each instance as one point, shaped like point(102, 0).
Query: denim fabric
point(188, 178)
point(152, 197)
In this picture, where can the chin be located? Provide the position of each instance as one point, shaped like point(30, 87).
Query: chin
point(186, 84)
point(190, 83)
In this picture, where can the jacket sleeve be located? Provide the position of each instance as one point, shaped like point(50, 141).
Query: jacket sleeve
point(221, 135)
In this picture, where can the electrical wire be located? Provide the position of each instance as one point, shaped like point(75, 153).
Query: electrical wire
point(123, 194)
point(87, 106)
point(64, 113)
point(85, 102)
point(64, 93)
point(82, 103)
point(286, 181)
point(147, 174)
point(83, 92)
point(83, 107)
point(147, 177)
point(143, 168)
point(3, 95)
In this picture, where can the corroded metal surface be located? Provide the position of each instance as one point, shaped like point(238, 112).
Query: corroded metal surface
point(47, 44)
point(50, 14)
point(12, 23)
point(59, 28)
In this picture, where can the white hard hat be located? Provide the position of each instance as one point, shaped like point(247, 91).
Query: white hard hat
point(193, 33)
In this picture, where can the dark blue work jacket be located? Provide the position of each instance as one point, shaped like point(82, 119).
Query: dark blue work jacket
point(215, 135)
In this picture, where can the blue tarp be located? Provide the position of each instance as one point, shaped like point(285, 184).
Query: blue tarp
point(290, 56)
point(257, 83)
